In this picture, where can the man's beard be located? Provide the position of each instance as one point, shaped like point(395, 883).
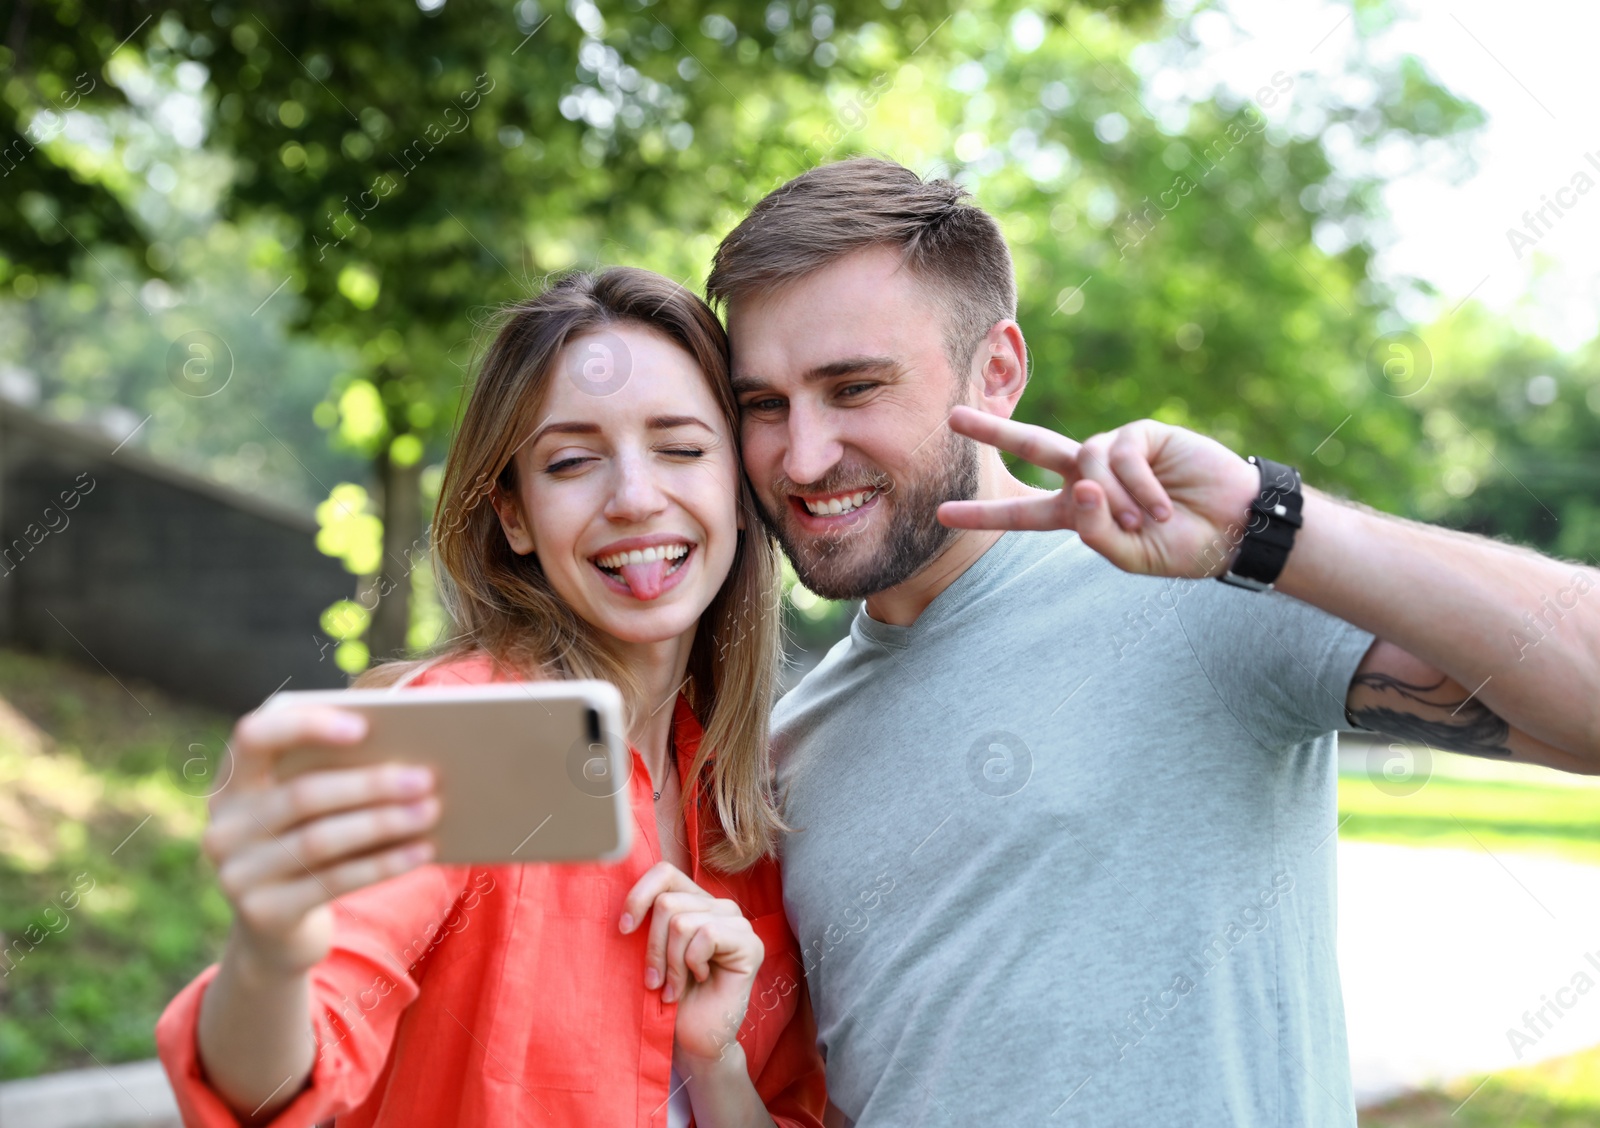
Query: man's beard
point(845, 566)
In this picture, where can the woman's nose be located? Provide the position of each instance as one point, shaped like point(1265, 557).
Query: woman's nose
point(636, 493)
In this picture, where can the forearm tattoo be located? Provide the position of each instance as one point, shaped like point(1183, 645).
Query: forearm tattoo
point(1466, 726)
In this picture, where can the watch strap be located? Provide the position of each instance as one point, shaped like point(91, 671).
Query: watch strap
point(1274, 518)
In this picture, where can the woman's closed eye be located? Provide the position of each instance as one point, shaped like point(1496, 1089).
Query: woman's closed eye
point(568, 463)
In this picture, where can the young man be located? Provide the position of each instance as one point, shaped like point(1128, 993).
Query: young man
point(1063, 806)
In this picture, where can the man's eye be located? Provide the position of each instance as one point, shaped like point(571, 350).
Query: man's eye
point(853, 389)
point(766, 403)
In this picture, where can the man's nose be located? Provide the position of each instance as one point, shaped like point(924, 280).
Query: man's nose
point(636, 494)
point(814, 447)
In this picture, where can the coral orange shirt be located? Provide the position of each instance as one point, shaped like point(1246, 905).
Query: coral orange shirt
point(505, 995)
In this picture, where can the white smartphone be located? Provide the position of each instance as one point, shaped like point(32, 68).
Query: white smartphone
point(526, 772)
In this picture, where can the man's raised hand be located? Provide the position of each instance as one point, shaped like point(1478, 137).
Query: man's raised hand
point(1151, 498)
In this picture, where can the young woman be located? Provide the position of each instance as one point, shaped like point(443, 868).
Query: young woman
point(593, 522)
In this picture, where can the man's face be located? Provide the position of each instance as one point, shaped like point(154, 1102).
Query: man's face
point(844, 387)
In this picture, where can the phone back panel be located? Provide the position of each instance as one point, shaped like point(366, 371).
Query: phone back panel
point(529, 772)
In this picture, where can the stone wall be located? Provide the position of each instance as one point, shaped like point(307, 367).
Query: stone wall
point(110, 558)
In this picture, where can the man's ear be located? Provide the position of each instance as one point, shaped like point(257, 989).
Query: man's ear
point(1003, 368)
point(512, 522)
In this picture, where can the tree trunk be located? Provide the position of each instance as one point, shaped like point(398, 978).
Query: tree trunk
point(401, 500)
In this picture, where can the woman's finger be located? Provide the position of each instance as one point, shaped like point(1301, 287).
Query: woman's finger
point(729, 943)
point(680, 931)
point(261, 736)
point(699, 952)
point(276, 809)
point(723, 942)
point(277, 907)
point(324, 842)
point(667, 907)
point(660, 878)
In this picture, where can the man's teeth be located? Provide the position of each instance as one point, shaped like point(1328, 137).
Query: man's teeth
point(837, 505)
point(643, 555)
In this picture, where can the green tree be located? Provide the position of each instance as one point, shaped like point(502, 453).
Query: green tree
point(1512, 428)
point(429, 160)
point(424, 164)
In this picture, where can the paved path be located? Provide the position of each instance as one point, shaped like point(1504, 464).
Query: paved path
point(117, 1096)
point(1443, 952)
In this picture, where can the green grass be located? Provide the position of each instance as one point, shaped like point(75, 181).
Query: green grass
point(1562, 1093)
point(90, 800)
point(1473, 805)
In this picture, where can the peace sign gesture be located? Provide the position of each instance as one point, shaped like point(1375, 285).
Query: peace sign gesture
point(1151, 498)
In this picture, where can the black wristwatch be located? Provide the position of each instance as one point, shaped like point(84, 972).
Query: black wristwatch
point(1269, 535)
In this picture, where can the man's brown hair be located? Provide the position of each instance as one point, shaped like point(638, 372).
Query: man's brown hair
point(949, 243)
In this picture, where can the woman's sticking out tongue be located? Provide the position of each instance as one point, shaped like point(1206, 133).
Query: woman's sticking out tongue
point(646, 580)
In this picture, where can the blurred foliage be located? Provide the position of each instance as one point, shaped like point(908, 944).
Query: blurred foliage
point(1516, 427)
point(380, 177)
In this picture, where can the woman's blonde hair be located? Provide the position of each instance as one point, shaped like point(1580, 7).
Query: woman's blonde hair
point(503, 605)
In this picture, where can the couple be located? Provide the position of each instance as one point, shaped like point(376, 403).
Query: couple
point(1053, 822)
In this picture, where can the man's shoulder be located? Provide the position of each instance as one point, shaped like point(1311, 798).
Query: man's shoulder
point(1042, 581)
point(816, 682)
point(1048, 555)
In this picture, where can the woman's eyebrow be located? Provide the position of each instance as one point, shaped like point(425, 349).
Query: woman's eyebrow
point(655, 422)
point(667, 422)
point(562, 428)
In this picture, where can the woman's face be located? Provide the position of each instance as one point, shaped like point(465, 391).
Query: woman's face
point(628, 488)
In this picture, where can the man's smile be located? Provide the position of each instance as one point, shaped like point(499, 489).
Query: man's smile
point(824, 512)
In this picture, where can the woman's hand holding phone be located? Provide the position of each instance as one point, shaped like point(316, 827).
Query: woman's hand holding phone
point(701, 952)
point(284, 850)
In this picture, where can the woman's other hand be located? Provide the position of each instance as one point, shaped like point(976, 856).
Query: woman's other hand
point(284, 850)
point(701, 952)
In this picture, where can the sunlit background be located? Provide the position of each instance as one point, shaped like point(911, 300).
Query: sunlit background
point(247, 255)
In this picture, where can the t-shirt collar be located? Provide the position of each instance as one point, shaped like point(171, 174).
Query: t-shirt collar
point(867, 629)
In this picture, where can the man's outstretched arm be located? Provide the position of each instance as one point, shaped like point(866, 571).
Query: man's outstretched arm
point(1485, 648)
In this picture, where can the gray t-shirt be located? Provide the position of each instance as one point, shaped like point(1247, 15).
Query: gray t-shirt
point(1064, 851)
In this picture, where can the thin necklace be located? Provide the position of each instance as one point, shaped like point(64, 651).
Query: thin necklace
point(672, 756)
